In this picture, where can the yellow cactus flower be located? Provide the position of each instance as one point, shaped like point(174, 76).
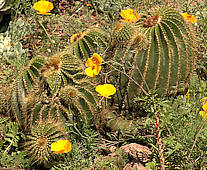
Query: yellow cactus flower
point(189, 18)
point(88, 4)
point(106, 90)
point(43, 7)
point(74, 37)
point(93, 65)
point(61, 146)
point(129, 15)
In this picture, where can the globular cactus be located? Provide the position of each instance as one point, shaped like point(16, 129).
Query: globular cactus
point(38, 141)
point(162, 56)
point(81, 100)
point(62, 69)
point(123, 33)
point(43, 108)
point(86, 43)
point(171, 55)
point(52, 89)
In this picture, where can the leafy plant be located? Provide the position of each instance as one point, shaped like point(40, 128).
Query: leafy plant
point(11, 155)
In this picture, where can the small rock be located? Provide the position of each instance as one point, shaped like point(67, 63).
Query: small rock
point(138, 151)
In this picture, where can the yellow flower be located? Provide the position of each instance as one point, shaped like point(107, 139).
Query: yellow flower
point(88, 4)
point(93, 65)
point(129, 16)
point(106, 90)
point(189, 18)
point(74, 37)
point(43, 7)
point(61, 146)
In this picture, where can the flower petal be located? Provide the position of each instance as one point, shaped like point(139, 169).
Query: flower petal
point(67, 146)
point(110, 88)
point(204, 107)
point(43, 7)
point(106, 90)
point(44, 13)
point(189, 18)
point(203, 113)
point(203, 100)
point(129, 15)
point(61, 146)
point(56, 147)
point(97, 57)
point(74, 37)
point(89, 62)
point(96, 70)
point(89, 72)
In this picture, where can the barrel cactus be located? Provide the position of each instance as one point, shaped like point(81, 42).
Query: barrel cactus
point(61, 69)
point(82, 101)
point(51, 89)
point(159, 55)
point(38, 141)
point(65, 77)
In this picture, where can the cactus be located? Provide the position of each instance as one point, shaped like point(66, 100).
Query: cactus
point(64, 75)
point(38, 141)
point(43, 108)
point(81, 100)
point(173, 47)
point(166, 60)
point(86, 43)
point(62, 69)
point(123, 33)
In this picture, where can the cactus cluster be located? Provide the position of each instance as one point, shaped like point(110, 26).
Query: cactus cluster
point(156, 53)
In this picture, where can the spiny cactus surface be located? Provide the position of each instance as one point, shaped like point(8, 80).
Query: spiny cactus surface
point(86, 43)
point(62, 69)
